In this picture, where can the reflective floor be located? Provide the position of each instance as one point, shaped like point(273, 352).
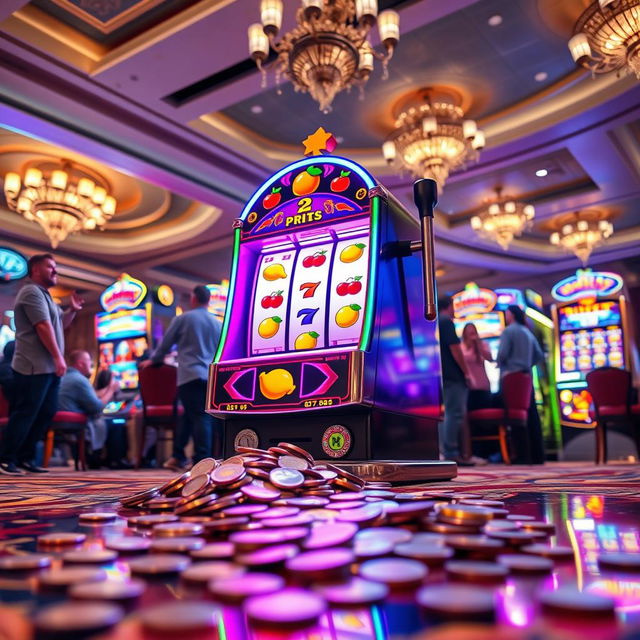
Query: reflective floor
point(589, 523)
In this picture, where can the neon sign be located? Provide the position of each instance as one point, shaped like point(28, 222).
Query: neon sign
point(534, 299)
point(125, 293)
point(508, 297)
point(164, 295)
point(218, 300)
point(587, 284)
point(13, 265)
point(473, 300)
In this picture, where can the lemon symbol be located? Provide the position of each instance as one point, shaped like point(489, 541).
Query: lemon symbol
point(352, 253)
point(269, 327)
point(276, 383)
point(348, 316)
point(308, 340)
point(273, 272)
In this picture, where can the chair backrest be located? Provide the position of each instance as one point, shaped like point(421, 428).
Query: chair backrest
point(609, 386)
point(4, 405)
point(158, 385)
point(516, 390)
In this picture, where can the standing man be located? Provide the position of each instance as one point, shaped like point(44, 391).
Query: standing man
point(519, 351)
point(196, 334)
point(454, 385)
point(38, 364)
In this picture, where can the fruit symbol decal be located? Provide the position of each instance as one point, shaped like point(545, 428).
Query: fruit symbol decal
point(306, 181)
point(269, 327)
point(274, 272)
point(315, 260)
point(348, 315)
point(341, 183)
point(272, 301)
point(350, 287)
point(352, 253)
point(272, 199)
point(276, 384)
point(307, 340)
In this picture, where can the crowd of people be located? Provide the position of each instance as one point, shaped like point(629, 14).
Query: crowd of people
point(37, 382)
point(466, 386)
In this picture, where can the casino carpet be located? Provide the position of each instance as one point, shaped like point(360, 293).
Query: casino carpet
point(63, 490)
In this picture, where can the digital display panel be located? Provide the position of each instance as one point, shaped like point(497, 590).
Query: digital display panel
point(311, 297)
point(121, 324)
point(121, 356)
point(590, 337)
point(489, 325)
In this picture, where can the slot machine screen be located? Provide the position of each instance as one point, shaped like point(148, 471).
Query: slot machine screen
point(590, 336)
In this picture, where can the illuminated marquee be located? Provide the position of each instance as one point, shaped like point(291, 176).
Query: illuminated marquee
point(473, 300)
point(13, 265)
point(508, 297)
point(218, 300)
point(125, 293)
point(587, 284)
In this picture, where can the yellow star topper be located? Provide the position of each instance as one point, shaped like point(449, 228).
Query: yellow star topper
point(318, 142)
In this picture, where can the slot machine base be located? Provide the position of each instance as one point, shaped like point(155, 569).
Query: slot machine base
point(401, 471)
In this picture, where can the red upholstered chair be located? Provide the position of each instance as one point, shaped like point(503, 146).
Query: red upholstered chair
point(610, 389)
point(159, 391)
point(516, 396)
point(67, 423)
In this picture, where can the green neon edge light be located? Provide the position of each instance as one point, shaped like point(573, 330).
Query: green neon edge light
point(232, 290)
point(367, 325)
point(369, 182)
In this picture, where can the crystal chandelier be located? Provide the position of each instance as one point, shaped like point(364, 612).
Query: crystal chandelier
point(582, 233)
point(64, 199)
point(433, 139)
point(503, 219)
point(607, 36)
point(328, 51)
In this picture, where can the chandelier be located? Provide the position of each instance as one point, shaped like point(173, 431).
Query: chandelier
point(582, 232)
point(607, 36)
point(503, 219)
point(62, 198)
point(433, 138)
point(328, 51)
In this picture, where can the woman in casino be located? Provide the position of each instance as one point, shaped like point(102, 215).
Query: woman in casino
point(476, 352)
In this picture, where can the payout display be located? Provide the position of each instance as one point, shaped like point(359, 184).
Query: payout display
point(591, 332)
point(315, 312)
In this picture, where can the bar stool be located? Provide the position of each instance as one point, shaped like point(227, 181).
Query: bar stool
point(516, 396)
point(67, 423)
point(610, 390)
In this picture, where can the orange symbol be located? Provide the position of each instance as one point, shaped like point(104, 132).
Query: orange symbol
point(309, 289)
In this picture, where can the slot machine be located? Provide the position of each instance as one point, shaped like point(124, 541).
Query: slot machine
point(325, 340)
point(592, 331)
point(133, 321)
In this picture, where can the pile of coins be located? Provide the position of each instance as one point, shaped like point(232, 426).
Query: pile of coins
point(285, 539)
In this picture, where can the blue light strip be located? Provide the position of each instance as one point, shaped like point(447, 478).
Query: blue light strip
point(337, 160)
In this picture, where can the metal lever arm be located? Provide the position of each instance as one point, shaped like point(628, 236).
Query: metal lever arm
point(425, 195)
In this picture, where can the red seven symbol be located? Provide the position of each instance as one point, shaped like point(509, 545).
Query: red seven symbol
point(309, 289)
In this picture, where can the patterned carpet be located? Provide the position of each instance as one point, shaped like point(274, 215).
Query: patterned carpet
point(64, 490)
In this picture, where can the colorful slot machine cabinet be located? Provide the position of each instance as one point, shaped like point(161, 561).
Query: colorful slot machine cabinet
point(325, 340)
point(133, 320)
point(13, 267)
point(592, 331)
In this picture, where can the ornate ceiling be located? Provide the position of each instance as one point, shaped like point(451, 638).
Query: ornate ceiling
point(164, 94)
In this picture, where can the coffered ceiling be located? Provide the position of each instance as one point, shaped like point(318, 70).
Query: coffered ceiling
point(163, 95)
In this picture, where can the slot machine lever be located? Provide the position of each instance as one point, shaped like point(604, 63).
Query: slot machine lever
point(425, 195)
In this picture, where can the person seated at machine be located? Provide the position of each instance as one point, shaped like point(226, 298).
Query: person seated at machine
point(77, 395)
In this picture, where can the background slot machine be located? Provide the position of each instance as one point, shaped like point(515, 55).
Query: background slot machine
point(477, 305)
point(591, 331)
point(324, 341)
point(133, 322)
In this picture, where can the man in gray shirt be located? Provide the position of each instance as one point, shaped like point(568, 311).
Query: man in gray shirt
point(38, 364)
point(196, 334)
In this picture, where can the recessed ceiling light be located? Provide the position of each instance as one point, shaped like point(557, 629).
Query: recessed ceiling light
point(541, 76)
point(495, 21)
point(541, 173)
point(256, 108)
